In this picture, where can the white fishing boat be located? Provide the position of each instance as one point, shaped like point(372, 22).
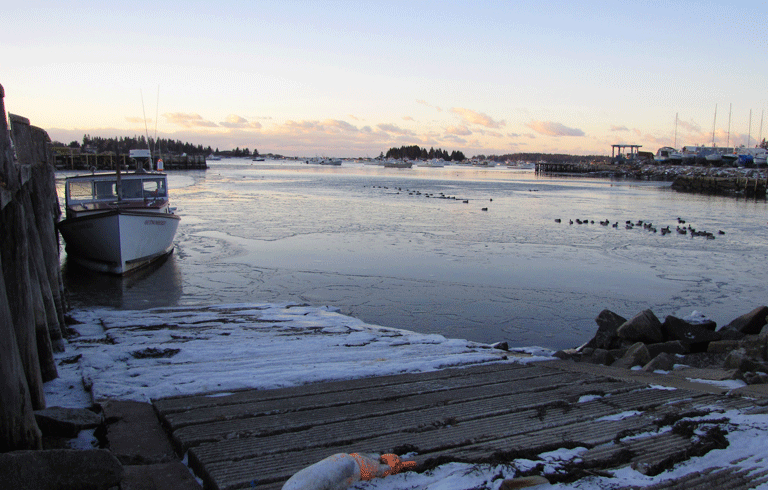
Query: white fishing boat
point(118, 222)
point(434, 163)
point(667, 154)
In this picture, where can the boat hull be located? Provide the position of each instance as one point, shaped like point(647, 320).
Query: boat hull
point(119, 241)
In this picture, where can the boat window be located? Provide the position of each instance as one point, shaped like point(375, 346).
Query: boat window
point(105, 190)
point(80, 191)
point(132, 189)
point(154, 188)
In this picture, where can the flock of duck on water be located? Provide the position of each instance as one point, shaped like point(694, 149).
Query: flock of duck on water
point(648, 226)
point(628, 224)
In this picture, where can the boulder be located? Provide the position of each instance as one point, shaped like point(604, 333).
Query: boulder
point(608, 323)
point(663, 362)
point(601, 356)
point(643, 327)
point(695, 336)
point(66, 422)
point(741, 360)
point(669, 347)
point(750, 323)
point(62, 469)
point(637, 355)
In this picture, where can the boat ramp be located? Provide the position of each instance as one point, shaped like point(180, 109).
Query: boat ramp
point(492, 413)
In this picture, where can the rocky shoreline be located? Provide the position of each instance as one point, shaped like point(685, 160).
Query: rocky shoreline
point(739, 349)
point(733, 181)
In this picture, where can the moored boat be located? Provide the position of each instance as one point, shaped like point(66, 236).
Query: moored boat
point(117, 223)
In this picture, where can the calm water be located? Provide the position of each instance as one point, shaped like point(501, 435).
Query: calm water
point(367, 240)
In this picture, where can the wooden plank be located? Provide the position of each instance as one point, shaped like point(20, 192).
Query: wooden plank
point(170, 405)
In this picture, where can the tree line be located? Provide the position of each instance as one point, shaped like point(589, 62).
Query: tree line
point(416, 152)
point(123, 145)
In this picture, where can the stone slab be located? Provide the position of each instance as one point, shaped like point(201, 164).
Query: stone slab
point(162, 476)
point(134, 433)
point(96, 469)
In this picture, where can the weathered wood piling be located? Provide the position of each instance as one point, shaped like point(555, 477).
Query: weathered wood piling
point(31, 289)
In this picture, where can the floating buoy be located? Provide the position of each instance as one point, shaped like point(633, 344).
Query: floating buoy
point(339, 471)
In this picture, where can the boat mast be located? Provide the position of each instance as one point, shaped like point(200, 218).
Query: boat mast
point(749, 134)
point(675, 145)
point(118, 179)
point(146, 131)
point(713, 127)
point(728, 141)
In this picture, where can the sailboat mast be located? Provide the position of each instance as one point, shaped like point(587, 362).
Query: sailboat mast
point(728, 141)
point(713, 127)
point(749, 133)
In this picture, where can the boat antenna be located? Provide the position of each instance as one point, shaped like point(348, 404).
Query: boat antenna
point(146, 131)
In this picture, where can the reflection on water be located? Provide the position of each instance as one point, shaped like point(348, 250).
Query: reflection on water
point(159, 284)
point(402, 248)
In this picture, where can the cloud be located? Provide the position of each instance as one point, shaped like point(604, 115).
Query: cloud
point(468, 116)
point(328, 126)
point(550, 128)
point(188, 120)
point(689, 126)
point(236, 122)
point(407, 118)
point(137, 120)
point(393, 128)
point(458, 130)
point(619, 128)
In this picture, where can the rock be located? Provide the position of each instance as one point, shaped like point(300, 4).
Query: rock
point(758, 378)
point(696, 337)
point(741, 360)
point(730, 334)
point(601, 356)
point(569, 354)
point(637, 355)
point(501, 346)
point(66, 422)
point(96, 469)
point(722, 346)
point(643, 327)
point(608, 323)
point(750, 323)
point(663, 362)
point(670, 347)
point(523, 482)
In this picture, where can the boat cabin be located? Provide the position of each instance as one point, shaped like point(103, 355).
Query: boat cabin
point(101, 192)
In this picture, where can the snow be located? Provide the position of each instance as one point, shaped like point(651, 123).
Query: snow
point(142, 355)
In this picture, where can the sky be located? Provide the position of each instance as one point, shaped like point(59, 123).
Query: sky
point(353, 79)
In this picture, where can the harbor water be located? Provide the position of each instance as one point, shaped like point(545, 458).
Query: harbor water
point(462, 251)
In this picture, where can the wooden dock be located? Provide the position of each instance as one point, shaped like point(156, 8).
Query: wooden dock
point(491, 413)
point(72, 159)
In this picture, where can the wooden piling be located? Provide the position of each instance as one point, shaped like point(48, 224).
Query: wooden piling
point(31, 294)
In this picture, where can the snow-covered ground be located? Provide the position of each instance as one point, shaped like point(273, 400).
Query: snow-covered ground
point(141, 355)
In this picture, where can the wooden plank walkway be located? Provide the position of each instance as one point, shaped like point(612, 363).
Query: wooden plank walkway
point(490, 413)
